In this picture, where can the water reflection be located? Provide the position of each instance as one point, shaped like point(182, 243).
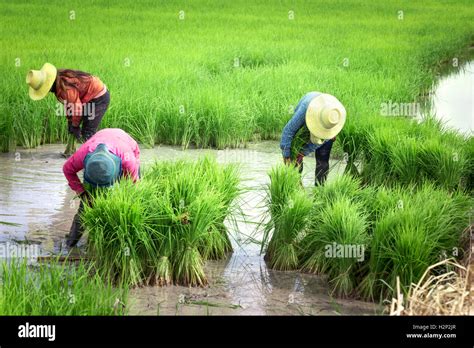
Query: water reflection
point(452, 99)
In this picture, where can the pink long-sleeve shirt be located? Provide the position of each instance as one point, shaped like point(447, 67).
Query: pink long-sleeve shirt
point(118, 142)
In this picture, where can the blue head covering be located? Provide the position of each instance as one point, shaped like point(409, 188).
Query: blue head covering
point(101, 167)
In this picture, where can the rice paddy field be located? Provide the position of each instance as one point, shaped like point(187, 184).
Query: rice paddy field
point(217, 82)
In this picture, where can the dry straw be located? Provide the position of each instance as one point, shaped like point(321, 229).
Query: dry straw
point(435, 294)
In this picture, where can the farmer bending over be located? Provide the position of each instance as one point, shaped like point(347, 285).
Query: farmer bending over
point(85, 97)
point(106, 157)
point(318, 118)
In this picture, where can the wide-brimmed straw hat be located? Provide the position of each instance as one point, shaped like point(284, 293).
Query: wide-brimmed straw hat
point(325, 117)
point(41, 81)
point(101, 167)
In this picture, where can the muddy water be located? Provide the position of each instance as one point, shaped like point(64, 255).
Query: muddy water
point(452, 99)
point(36, 200)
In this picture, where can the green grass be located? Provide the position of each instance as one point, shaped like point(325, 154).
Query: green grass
point(57, 289)
point(180, 82)
point(162, 229)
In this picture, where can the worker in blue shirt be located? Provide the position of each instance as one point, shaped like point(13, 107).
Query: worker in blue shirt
point(318, 118)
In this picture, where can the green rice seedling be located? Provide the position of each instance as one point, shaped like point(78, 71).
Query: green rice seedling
point(196, 238)
point(119, 237)
point(444, 165)
point(353, 139)
point(405, 162)
point(284, 182)
point(342, 186)
point(469, 175)
point(168, 224)
point(422, 226)
point(377, 167)
point(289, 226)
point(189, 180)
point(58, 289)
point(301, 138)
point(70, 146)
point(335, 243)
point(378, 200)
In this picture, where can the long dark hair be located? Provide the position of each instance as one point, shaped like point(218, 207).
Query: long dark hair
point(68, 78)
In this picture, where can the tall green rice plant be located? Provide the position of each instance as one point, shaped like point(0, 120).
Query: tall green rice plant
point(58, 289)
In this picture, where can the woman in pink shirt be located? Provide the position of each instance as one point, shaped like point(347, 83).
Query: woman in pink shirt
point(106, 157)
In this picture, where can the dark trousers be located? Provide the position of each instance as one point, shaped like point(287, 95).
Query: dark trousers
point(322, 162)
point(96, 110)
point(76, 230)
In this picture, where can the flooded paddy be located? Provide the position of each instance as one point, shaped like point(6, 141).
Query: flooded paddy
point(451, 99)
point(38, 206)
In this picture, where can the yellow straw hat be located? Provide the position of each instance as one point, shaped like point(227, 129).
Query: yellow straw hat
point(325, 117)
point(41, 81)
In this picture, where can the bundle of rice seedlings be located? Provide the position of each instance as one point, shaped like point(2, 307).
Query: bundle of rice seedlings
point(193, 242)
point(187, 180)
point(353, 139)
point(377, 168)
point(405, 160)
point(289, 226)
point(119, 237)
point(336, 243)
point(407, 155)
point(343, 186)
point(58, 289)
point(424, 225)
point(162, 229)
point(227, 180)
point(443, 164)
point(284, 182)
point(442, 290)
point(70, 146)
